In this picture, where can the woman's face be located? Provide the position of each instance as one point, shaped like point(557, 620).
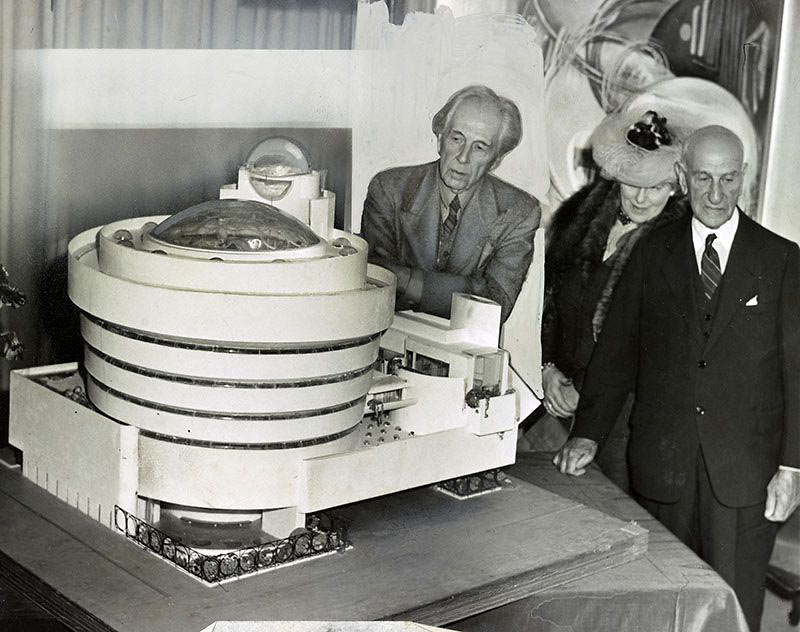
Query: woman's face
point(644, 203)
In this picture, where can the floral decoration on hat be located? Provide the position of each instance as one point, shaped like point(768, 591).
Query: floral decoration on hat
point(635, 148)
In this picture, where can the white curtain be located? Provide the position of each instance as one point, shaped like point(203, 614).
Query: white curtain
point(22, 218)
point(27, 232)
point(293, 24)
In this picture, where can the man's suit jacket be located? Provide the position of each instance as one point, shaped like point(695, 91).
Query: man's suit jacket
point(734, 393)
point(493, 243)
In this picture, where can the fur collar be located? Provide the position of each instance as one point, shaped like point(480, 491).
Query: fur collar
point(578, 234)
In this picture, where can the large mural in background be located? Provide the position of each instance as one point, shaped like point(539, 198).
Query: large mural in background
point(715, 54)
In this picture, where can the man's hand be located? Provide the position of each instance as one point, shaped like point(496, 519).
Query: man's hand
point(575, 456)
point(783, 495)
point(560, 396)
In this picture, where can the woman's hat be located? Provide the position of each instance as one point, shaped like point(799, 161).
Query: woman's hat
point(638, 147)
point(690, 103)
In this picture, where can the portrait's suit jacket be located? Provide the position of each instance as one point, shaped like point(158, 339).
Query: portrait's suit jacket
point(734, 393)
point(493, 243)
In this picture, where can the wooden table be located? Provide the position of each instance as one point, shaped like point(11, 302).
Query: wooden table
point(667, 589)
point(418, 555)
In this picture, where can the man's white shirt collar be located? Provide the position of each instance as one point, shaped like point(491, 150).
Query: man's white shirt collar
point(722, 244)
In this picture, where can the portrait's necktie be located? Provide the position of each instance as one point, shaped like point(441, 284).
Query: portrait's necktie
point(451, 220)
point(710, 271)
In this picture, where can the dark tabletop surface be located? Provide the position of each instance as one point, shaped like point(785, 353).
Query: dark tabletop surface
point(669, 588)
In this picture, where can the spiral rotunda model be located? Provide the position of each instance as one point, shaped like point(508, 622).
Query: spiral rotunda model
point(236, 340)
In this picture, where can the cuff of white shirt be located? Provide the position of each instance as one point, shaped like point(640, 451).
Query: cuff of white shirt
point(789, 468)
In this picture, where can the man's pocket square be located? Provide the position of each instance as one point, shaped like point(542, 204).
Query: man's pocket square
point(753, 301)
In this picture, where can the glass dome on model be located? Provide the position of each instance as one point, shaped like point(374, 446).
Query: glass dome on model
point(233, 227)
point(273, 163)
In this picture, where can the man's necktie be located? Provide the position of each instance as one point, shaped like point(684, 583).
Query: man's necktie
point(710, 271)
point(451, 220)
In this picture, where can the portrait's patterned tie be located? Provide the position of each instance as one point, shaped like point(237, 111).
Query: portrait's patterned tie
point(710, 271)
point(451, 220)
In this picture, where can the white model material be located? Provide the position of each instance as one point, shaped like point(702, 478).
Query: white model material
point(305, 200)
point(233, 386)
point(75, 453)
point(276, 172)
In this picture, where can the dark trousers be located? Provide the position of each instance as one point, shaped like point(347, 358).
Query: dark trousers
point(735, 541)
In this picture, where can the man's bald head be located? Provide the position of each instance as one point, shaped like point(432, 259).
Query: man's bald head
point(714, 135)
point(711, 171)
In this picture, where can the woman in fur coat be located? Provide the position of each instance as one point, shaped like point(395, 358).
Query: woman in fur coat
point(589, 242)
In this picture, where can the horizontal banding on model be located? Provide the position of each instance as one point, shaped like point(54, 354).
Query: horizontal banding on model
point(229, 348)
point(243, 384)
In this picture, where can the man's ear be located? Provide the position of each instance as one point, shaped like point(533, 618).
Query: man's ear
point(496, 162)
point(439, 143)
point(744, 168)
point(681, 172)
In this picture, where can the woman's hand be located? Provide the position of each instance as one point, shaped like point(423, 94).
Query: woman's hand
point(576, 454)
point(560, 395)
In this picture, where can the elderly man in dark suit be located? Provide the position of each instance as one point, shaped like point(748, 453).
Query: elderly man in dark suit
point(705, 329)
point(449, 226)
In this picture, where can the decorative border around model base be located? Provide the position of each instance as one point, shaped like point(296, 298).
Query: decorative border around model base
point(324, 534)
point(475, 484)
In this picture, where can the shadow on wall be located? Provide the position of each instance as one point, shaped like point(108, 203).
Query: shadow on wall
point(101, 175)
point(59, 318)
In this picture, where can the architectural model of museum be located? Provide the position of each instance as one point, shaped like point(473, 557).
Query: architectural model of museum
point(244, 370)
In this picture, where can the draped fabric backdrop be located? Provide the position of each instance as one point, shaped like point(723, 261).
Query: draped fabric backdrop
point(31, 237)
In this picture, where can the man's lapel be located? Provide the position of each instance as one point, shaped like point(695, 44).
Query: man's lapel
point(739, 280)
point(474, 226)
point(420, 220)
point(680, 268)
